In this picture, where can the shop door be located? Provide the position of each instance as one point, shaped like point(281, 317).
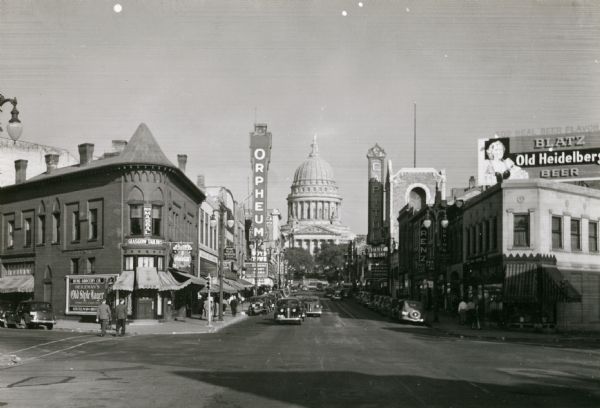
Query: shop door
point(145, 308)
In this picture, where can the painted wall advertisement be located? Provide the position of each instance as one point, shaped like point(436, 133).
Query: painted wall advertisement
point(85, 292)
point(568, 156)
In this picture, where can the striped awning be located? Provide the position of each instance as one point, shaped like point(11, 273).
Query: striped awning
point(146, 278)
point(245, 283)
point(197, 280)
point(124, 281)
point(168, 282)
point(520, 282)
point(16, 283)
point(555, 287)
point(227, 288)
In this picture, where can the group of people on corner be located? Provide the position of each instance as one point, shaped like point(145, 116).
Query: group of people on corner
point(209, 307)
point(468, 313)
point(104, 316)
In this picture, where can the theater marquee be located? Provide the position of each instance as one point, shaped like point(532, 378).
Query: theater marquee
point(562, 157)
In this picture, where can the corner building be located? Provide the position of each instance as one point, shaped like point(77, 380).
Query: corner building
point(114, 217)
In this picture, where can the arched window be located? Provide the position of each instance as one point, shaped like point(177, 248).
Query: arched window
point(416, 198)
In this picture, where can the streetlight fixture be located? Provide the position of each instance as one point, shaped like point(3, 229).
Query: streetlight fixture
point(441, 220)
point(14, 127)
point(230, 224)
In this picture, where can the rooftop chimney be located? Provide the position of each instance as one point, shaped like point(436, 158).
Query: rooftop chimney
point(200, 181)
point(119, 145)
point(51, 162)
point(182, 161)
point(20, 171)
point(86, 151)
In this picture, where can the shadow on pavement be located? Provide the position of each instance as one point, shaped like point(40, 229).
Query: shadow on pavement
point(313, 389)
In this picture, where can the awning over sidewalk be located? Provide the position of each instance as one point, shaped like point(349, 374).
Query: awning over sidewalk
point(147, 278)
point(245, 284)
point(197, 280)
point(124, 281)
point(234, 283)
point(227, 288)
point(17, 283)
point(168, 282)
point(556, 287)
point(531, 283)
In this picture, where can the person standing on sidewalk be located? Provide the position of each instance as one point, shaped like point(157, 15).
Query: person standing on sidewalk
point(234, 304)
point(121, 314)
point(103, 317)
point(462, 312)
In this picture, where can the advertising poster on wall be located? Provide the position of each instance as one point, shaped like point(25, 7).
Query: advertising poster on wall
point(558, 156)
point(182, 255)
point(85, 292)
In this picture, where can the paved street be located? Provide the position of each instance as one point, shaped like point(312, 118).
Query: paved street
point(349, 357)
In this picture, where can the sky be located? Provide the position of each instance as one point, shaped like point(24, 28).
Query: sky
point(201, 73)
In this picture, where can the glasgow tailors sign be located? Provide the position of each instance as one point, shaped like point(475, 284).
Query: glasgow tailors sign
point(562, 157)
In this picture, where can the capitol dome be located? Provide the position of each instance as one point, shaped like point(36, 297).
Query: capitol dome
point(314, 170)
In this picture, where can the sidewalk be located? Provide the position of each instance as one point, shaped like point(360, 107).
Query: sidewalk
point(191, 325)
point(449, 325)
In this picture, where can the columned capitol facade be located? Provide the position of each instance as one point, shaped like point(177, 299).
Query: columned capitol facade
point(314, 206)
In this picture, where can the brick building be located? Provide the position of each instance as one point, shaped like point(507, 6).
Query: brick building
point(110, 220)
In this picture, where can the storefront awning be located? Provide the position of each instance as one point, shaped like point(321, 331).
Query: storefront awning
point(245, 283)
point(168, 282)
point(147, 278)
point(234, 283)
point(197, 280)
point(555, 287)
point(17, 283)
point(227, 288)
point(520, 282)
point(124, 281)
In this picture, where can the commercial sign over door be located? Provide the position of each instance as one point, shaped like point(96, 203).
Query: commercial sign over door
point(562, 157)
point(85, 292)
point(182, 255)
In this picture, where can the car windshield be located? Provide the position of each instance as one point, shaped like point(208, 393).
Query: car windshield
point(413, 304)
point(42, 307)
point(288, 303)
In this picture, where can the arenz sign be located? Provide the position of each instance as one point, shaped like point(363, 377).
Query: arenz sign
point(563, 157)
point(85, 292)
point(423, 240)
point(260, 157)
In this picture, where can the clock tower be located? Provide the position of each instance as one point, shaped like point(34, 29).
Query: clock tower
point(376, 160)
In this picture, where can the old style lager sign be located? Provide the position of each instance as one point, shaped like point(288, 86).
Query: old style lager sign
point(85, 292)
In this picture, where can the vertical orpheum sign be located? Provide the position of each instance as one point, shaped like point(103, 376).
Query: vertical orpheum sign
point(260, 157)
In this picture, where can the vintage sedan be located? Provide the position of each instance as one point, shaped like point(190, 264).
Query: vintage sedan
point(288, 310)
point(312, 306)
point(257, 305)
point(411, 311)
point(32, 314)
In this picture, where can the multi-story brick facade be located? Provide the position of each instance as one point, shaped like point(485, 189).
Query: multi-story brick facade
point(117, 215)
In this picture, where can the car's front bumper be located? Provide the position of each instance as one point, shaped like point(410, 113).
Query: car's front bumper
point(284, 319)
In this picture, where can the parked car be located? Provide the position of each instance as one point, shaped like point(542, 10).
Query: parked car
point(337, 295)
point(6, 308)
point(288, 310)
point(32, 314)
point(411, 311)
point(312, 306)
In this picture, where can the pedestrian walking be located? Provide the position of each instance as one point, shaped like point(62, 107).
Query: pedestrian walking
point(121, 314)
point(470, 312)
point(462, 312)
point(234, 304)
point(103, 316)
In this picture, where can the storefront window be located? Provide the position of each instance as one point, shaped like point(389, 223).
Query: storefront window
point(521, 230)
point(129, 266)
point(135, 219)
point(557, 233)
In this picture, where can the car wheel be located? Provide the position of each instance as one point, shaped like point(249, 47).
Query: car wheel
point(49, 326)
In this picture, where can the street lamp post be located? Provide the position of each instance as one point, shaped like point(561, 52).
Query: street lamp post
point(439, 224)
point(14, 127)
point(221, 231)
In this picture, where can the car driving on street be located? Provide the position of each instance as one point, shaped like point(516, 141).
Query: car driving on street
point(288, 310)
point(312, 306)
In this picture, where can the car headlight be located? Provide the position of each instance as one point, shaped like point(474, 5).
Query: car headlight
point(294, 310)
point(404, 313)
point(281, 310)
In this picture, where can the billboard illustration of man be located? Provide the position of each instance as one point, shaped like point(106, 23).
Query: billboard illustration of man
point(497, 166)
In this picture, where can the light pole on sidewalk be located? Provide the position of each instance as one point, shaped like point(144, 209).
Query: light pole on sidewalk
point(221, 232)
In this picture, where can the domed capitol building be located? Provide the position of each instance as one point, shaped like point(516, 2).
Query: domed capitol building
point(314, 206)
